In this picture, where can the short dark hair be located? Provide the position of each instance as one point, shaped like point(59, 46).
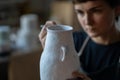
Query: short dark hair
point(111, 3)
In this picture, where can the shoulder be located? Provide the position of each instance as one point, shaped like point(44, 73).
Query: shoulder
point(79, 35)
point(79, 38)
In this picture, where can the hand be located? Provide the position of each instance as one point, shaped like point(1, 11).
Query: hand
point(81, 76)
point(43, 32)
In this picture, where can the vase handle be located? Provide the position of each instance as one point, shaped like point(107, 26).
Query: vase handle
point(63, 48)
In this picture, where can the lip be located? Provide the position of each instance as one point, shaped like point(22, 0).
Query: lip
point(91, 30)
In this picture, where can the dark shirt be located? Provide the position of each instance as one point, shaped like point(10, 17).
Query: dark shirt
point(100, 62)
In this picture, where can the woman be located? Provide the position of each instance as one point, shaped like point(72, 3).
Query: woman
point(100, 56)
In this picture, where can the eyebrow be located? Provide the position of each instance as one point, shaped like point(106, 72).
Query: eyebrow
point(96, 7)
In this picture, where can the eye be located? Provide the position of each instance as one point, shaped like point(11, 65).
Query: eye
point(79, 12)
point(96, 10)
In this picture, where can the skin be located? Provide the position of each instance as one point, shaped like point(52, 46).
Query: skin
point(43, 32)
point(98, 20)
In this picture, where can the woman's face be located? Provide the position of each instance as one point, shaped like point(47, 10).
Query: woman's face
point(96, 17)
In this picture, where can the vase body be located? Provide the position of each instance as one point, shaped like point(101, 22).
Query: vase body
point(59, 58)
point(26, 38)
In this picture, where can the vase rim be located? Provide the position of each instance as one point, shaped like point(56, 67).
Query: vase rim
point(59, 28)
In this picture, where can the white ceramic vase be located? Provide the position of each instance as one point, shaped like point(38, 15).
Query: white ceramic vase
point(59, 58)
point(26, 38)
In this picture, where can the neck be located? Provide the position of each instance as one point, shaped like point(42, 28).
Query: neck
point(109, 37)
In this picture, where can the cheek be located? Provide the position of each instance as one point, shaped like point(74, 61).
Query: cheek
point(106, 20)
point(111, 20)
point(80, 21)
point(104, 24)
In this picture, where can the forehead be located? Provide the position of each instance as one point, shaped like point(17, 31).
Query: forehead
point(90, 4)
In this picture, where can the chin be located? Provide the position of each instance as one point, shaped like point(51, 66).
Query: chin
point(93, 34)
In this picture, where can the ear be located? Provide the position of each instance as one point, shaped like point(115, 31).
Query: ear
point(117, 11)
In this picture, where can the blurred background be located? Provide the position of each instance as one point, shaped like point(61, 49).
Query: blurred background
point(20, 22)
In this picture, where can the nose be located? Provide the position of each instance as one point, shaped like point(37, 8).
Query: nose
point(88, 19)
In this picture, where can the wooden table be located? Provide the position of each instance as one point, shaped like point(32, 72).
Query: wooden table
point(23, 65)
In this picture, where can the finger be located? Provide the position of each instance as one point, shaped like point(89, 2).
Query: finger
point(86, 78)
point(50, 23)
point(78, 74)
point(81, 75)
point(43, 42)
point(75, 79)
point(44, 31)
